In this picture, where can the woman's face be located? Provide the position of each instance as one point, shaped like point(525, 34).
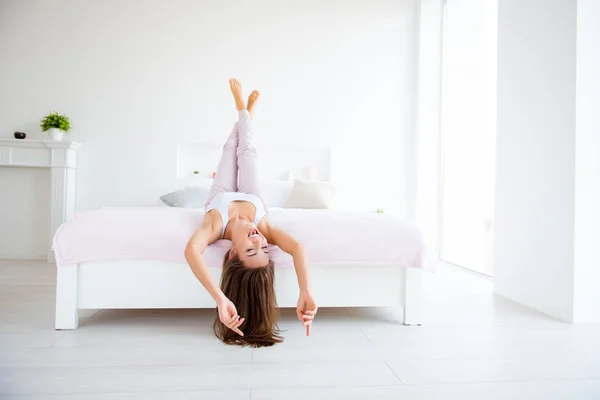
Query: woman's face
point(249, 244)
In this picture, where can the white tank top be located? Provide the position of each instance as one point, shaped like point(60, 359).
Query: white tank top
point(221, 203)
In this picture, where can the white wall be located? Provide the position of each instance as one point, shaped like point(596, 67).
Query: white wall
point(136, 77)
point(535, 152)
point(587, 166)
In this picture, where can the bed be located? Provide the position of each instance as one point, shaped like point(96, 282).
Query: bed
point(133, 258)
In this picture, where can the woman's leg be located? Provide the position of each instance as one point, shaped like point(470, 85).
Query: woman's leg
point(247, 162)
point(249, 181)
point(227, 172)
point(226, 178)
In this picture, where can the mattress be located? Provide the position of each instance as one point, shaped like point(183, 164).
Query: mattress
point(330, 237)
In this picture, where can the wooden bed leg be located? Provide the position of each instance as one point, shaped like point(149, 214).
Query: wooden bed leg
point(412, 297)
point(67, 316)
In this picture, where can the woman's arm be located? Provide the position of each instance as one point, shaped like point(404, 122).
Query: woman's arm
point(287, 243)
point(193, 254)
point(306, 308)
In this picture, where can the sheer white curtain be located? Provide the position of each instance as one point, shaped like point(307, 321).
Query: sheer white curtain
point(468, 131)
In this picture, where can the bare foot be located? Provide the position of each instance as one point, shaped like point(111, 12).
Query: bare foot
point(252, 101)
point(236, 90)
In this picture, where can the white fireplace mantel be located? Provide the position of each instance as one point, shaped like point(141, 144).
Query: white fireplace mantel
point(61, 158)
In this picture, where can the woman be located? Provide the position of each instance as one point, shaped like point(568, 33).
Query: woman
point(239, 213)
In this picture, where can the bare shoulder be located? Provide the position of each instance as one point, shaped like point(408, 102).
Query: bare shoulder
point(279, 237)
point(210, 219)
point(210, 230)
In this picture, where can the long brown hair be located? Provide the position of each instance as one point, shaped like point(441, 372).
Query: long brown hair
point(252, 292)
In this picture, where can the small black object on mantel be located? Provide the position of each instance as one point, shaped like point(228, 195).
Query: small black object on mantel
point(20, 135)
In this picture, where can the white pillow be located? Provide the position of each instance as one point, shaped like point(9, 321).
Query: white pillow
point(190, 197)
point(312, 195)
point(276, 193)
point(195, 194)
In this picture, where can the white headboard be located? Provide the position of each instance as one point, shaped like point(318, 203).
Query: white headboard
point(275, 162)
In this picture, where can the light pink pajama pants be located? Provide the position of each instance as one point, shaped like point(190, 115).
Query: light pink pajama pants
point(238, 167)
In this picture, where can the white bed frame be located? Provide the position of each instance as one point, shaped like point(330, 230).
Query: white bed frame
point(152, 284)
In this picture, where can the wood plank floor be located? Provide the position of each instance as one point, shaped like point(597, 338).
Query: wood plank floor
point(472, 346)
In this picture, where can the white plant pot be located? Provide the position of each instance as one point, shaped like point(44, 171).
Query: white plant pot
point(56, 134)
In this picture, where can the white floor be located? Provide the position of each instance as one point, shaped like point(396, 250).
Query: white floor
point(472, 346)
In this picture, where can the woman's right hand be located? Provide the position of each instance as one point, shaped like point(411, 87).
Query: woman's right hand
point(228, 315)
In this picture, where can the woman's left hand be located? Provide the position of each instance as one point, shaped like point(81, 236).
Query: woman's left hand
point(306, 310)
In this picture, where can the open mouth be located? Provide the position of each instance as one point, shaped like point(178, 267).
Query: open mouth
point(253, 233)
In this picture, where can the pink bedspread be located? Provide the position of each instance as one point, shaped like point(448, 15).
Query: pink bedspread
point(161, 234)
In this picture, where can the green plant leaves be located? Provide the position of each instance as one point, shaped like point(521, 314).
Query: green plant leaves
point(55, 120)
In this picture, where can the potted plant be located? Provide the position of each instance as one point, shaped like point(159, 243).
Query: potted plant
point(57, 125)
